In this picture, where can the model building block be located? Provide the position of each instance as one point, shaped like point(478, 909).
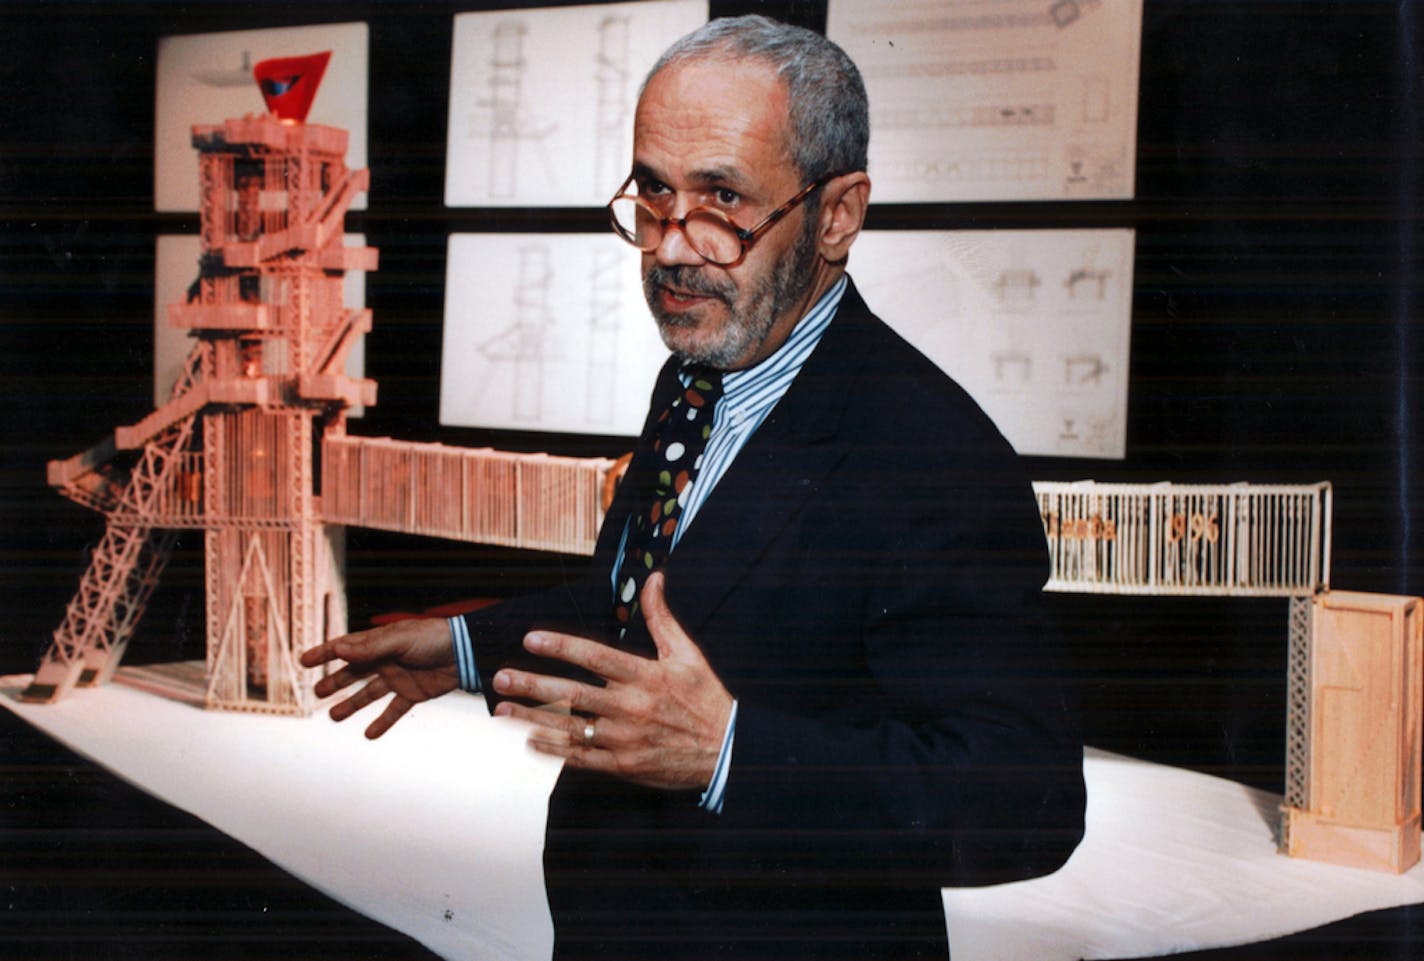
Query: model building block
point(1361, 794)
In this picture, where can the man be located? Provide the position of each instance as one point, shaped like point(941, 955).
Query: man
point(808, 686)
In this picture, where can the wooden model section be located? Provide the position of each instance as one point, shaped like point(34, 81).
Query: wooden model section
point(253, 439)
point(1359, 806)
point(1253, 540)
point(1356, 668)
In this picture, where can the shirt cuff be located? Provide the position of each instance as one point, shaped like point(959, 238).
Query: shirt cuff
point(712, 797)
point(469, 678)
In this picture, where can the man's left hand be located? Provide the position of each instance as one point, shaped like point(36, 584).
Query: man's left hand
point(655, 722)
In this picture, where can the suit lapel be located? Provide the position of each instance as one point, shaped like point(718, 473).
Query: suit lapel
point(781, 466)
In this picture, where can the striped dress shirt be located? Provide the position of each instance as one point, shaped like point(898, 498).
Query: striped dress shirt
point(748, 396)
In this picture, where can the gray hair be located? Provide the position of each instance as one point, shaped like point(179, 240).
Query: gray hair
point(829, 113)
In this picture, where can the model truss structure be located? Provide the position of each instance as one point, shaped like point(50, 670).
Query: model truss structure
point(1353, 725)
point(251, 447)
point(1224, 540)
point(1261, 540)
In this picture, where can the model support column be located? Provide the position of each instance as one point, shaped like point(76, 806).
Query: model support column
point(1362, 791)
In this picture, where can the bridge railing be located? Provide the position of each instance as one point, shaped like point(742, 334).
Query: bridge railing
point(534, 501)
point(1203, 539)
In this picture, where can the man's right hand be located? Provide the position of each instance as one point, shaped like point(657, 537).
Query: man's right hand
point(413, 660)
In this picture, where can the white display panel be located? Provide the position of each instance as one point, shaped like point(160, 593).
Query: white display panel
point(546, 332)
point(996, 99)
point(1033, 323)
point(207, 78)
point(175, 270)
point(541, 101)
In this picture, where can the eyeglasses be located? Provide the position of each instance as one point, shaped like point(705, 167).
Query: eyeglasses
point(709, 231)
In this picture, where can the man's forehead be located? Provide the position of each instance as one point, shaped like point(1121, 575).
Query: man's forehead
point(713, 117)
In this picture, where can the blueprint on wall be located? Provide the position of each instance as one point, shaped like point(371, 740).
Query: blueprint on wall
point(551, 332)
point(541, 101)
point(546, 332)
point(207, 78)
point(1033, 323)
point(996, 99)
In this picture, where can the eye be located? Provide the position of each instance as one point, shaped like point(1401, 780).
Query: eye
point(726, 197)
point(650, 189)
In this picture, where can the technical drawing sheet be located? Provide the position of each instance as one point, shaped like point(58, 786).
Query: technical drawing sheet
point(207, 78)
point(1033, 323)
point(996, 99)
point(547, 332)
point(541, 101)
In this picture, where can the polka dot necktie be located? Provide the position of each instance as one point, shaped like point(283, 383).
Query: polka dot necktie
point(682, 432)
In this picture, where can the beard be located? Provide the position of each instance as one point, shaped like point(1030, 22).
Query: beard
point(751, 311)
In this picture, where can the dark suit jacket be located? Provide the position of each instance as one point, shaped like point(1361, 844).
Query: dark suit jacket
point(865, 579)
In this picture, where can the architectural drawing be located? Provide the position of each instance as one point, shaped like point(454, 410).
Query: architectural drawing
point(1034, 323)
point(560, 340)
point(606, 312)
point(1011, 100)
point(533, 91)
point(528, 345)
point(613, 82)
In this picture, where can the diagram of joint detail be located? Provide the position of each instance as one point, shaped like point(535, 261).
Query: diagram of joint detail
point(1033, 323)
point(546, 332)
point(1015, 100)
point(541, 101)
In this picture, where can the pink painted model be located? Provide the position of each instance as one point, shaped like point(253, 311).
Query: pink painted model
point(262, 401)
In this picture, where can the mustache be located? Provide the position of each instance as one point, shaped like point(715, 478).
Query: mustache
point(690, 280)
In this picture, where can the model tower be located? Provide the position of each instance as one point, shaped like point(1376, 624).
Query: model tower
point(234, 450)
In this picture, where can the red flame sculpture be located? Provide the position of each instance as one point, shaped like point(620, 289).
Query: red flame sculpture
point(289, 83)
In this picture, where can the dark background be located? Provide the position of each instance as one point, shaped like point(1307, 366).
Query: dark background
point(1275, 338)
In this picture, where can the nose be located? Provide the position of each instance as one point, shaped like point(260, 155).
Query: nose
point(674, 248)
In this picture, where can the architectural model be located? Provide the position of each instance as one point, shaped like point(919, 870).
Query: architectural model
point(1359, 804)
point(1356, 661)
point(251, 448)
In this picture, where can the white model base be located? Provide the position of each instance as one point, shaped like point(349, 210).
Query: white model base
point(436, 830)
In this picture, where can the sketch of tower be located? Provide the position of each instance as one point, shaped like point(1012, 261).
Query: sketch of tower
point(506, 80)
point(604, 309)
point(610, 74)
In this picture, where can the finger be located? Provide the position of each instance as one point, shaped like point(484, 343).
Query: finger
point(374, 690)
point(577, 755)
point(549, 733)
point(545, 727)
point(668, 636)
point(319, 655)
point(394, 712)
point(557, 740)
point(607, 662)
point(550, 690)
point(336, 681)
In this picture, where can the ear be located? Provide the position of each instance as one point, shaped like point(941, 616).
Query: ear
point(844, 202)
